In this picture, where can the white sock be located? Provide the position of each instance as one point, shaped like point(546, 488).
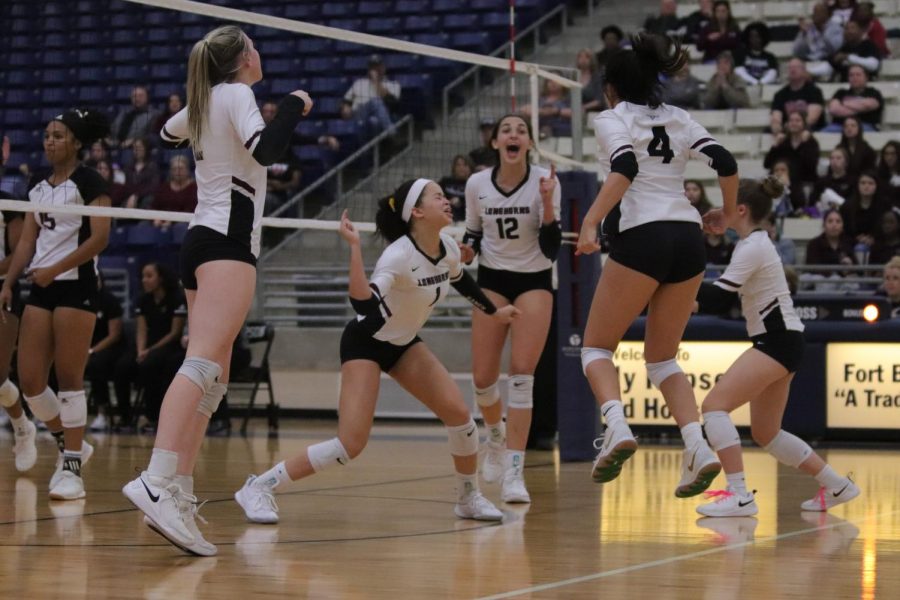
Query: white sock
point(692, 434)
point(274, 476)
point(466, 485)
point(514, 459)
point(496, 432)
point(19, 423)
point(613, 412)
point(736, 482)
point(186, 483)
point(163, 464)
point(829, 479)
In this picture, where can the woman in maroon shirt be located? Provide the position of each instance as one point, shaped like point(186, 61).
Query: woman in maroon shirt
point(179, 192)
point(721, 34)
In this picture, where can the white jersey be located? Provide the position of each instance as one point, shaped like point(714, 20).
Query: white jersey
point(408, 283)
point(509, 223)
point(59, 235)
point(663, 139)
point(757, 275)
point(231, 185)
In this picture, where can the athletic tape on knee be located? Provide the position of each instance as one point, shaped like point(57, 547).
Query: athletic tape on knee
point(73, 409)
point(659, 372)
point(521, 392)
point(463, 439)
point(45, 405)
point(589, 355)
point(720, 430)
point(202, 372)
point(488, 396)
point(211, 399)
point(9, 394)
point(787, 448)
point(327, 454)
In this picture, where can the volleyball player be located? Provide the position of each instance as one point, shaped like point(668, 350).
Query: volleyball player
point(512, 220)
point(657, 256)
point(60, 252)
point(24, 430)
point(232, 147)
point(762, 375)
point(413, 274)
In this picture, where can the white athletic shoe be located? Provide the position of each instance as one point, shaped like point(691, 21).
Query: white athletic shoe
point(87, 451)
point(730, 530)
point(829, 498)
point(617, 447)
point(477, 507)
point(187, 505)
point(69, 486)
point(160, 504)
point(25, 448)
point(99, 423)
point(726, 503)
point(513, 487)
point(492, 461)
point(257, 501)
point(699, 466)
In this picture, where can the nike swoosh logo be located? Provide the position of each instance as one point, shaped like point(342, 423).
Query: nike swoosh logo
point(415, 268)
point(340, 462)
point(691, 465)
point(482, 197)
point(149, 493)
point(518, 384)
point(743, 504)
point(836, 494)
point(469, 434)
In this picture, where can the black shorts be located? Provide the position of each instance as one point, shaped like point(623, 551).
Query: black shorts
point(512, 284)
point(203, 245)
point(667, 251)
point(80, 293)
point(786, 347)
point(16, 305)
point(358, 344)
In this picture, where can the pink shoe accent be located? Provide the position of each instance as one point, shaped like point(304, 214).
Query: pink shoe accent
point(718, 494)
point(821, 498)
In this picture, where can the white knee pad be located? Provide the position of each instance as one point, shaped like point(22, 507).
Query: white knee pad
point(327, 454)
point(521, 392)
point(73, 409)
point(211, 399)
point(202, 372)
point(659, 372)
point(720, 430)
point(589, 355)
point(787, 448)
point(9, 394)
point(45, 405)
point(463, 439)
point(488, 396)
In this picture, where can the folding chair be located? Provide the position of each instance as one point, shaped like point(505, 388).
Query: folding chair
point(258, 374)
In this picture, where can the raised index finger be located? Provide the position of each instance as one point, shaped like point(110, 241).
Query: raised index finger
point(552, 171)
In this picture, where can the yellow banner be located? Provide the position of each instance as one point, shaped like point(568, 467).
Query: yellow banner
point(703, 363)
point(863, 385)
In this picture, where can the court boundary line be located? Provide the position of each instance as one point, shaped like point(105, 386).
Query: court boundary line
point(674, 559)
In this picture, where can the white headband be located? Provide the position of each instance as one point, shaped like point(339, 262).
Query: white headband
point(411, 197)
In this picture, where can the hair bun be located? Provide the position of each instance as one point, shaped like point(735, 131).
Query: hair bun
point(658, 53)
point(772, 187)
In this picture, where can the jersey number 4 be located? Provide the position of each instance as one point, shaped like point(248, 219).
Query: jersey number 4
point(47, 221)
point(508, 228)
point(659, 145)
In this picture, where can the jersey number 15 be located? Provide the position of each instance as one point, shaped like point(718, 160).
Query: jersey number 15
point(47, 221)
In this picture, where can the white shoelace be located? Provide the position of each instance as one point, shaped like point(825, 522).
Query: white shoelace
point(264, 499)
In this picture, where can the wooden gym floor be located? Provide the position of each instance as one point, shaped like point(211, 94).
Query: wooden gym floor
point(383, 527)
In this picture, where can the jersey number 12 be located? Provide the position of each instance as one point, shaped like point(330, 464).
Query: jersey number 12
point(509, 232)
point(659, 145)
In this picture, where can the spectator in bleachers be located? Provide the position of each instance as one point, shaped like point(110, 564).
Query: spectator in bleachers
point(836, 186)
point(757, 65)
point(721, 34)
point(555, 111)
point(373, 96)
point(841, 10)
point(799, 95)
point(697, 21)
point(818, 39)
point(683, 90)
point(874, 30)
point(861, 156)
point(797, 146)
point(887, 238)
point(831, 247)
point(696, 195)
point(612, 38)
point(592, 98)
point(787, 250)
point(118, 192)
point(160, 315)
point(282, 176)
point(179, 192)
point(891, 285)
point(857, 49)
point(725, 89)
point(484, 156)
point(100, 151)
point(718, 249)
point(863, 210)
point(666, 22)
point(174, 103)
point(860, 100)
point(454, 185)
point(793, 199)
point(106, 348)
point(134, 122)
point(889, 171)
point(141, 176)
